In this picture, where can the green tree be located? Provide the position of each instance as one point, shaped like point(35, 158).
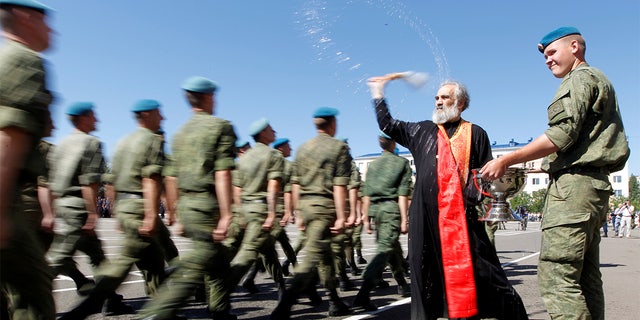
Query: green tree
point(634, 191)
point(537, 200)
point(614, 201)
point(521, 199)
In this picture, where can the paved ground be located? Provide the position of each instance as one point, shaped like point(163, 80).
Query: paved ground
point(518, 251)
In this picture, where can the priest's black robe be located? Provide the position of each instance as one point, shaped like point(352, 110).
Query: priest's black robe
point(496, 298)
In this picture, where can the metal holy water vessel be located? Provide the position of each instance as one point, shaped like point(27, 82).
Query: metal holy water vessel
point(500, 190)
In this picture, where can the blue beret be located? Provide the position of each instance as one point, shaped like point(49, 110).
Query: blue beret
point(199, 84)
point(258, 126)
point(241, 143)
point(33, 4)
point(384, 135)
point(79, 108)
point(324, 112)
point(279, 142)
point(555, 35)
point(145, 105)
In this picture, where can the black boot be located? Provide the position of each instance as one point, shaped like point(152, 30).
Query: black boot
point(84, 285)
point(114, 306)
point(283, 309)
point(382, 284)
point(353, 265)
point(314, 297)
point(404, 290)
point(285, 268)
point(361, 260)
point(362, 299)
point(346, 284)
point(248, 283)
point(336, 306)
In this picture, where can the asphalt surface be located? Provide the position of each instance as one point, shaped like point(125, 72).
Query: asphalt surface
point(518, 251)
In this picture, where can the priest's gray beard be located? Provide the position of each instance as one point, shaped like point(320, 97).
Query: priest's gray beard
point(445, 114)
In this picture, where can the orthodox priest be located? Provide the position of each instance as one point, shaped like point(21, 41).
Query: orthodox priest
point(455, 271)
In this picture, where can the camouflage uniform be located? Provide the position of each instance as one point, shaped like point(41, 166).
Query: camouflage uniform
point(203, 146)
point(76, 161)
point(342, 245)
point(279, 232)
point(388, 178)
point(139, 155)
point(171, 254)
point(256, 168)
point(30, 198)
point(321, 163)
point(585, 124)
point(24, 103)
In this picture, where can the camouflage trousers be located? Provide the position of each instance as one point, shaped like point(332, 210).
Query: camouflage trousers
point(389, 251)
point(569, 268)
point(72, 215)
point(25, 277)
point(318, 217)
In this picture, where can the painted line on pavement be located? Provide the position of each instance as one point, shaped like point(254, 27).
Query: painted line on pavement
point(389, 306)
point(408, 300)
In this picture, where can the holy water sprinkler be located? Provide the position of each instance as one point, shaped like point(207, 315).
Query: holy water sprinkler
point(415, 79)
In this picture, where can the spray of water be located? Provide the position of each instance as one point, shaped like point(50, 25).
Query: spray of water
point(317, 17)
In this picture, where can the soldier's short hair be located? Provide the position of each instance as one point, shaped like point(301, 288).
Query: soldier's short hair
point(324, 122)
point(385, 143)
point(195, 98)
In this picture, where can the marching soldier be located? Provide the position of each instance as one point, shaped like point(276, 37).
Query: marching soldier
point(203, 153)
point(77, 165)
point(24, 114)
point(259, 177)
point(137, 179)
point(319, 180)
point(385, 199)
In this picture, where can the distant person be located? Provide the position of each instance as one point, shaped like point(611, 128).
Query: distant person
point(617, 219)
point(605, 227)
point(453, 263)
point(321, 172)
point(24, 115)
point(203, 153)
point(626, 214)
point(585, 142)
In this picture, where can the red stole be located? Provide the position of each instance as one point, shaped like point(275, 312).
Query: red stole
point(453, 167)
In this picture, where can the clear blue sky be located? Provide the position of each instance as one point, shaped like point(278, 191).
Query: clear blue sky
point(283, 59)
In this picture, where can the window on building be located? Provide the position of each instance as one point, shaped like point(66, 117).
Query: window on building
point(535, 181)
point(617, 193)
point(617, 178)
point(546, 180)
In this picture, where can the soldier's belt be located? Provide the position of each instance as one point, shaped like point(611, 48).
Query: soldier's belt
point(384, 200)
point(579, 170)
point(129, 195)
point(255, 201)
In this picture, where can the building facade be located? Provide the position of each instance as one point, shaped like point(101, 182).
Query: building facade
point(536, 178)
